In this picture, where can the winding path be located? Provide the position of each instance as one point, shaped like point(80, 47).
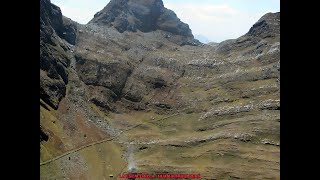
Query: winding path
point(101, 141)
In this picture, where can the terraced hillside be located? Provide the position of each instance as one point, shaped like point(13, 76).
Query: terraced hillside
point(118, 93)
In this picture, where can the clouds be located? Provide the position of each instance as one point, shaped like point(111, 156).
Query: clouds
point(81, 11)
point(81, 16)
point(217, 20)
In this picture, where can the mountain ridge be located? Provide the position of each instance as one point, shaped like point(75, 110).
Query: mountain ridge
point(168, 105)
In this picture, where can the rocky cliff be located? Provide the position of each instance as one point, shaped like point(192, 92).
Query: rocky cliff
point(54, 59)
point(143, 15)
point(132, 88)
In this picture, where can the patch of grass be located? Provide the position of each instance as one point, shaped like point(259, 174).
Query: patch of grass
point(49, 121)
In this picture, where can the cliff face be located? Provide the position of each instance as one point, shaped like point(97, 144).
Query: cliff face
point(135, 74)
point(267, 26)
point(143, 15)
point(54, 59)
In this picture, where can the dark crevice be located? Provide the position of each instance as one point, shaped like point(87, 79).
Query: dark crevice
point(43, 135)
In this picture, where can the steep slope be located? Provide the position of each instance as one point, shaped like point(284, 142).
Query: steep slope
point(64, 115)
point(145, 16)
point(267, 29)
point(53, 57)
point(162, 102)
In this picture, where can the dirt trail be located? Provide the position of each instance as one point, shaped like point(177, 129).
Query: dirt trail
point(101, 141)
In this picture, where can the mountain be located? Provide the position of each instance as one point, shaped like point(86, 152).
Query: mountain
point(141, 15)
point(133, 91)
point(202, 38)
point(267, 28)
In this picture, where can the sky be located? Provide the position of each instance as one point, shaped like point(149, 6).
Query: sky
point(215, 20)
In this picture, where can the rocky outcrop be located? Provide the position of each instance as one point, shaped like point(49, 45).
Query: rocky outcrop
point(143, 15)
point(56, 32)
point(268, 26)
point(109, 75)
point(51, 17)
point(69, 30)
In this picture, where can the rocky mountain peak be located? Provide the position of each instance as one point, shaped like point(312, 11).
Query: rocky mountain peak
point(267, 26)
point(142, 15)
